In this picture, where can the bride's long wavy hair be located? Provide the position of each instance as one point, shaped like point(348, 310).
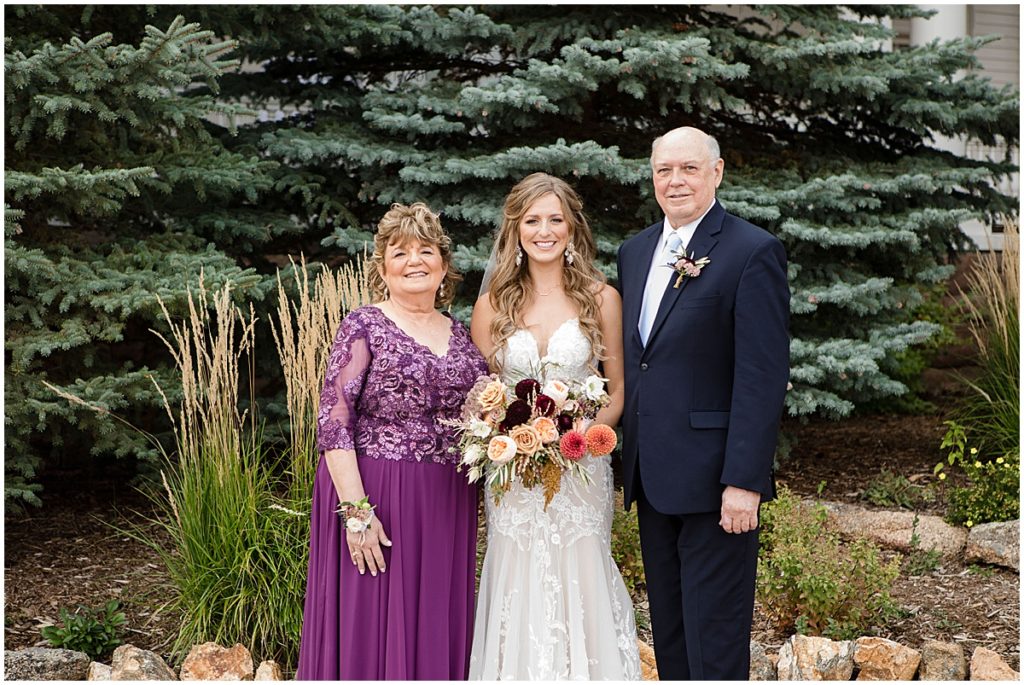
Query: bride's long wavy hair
point(511, 285)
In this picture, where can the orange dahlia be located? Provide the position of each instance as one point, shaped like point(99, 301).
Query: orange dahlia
point(600, 440)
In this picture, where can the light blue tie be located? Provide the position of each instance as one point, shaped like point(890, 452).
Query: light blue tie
point(656, 283)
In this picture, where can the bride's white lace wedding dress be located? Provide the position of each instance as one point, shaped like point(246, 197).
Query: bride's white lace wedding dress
point(552, 605)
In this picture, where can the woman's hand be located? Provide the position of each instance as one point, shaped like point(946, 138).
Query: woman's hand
point(365, 548)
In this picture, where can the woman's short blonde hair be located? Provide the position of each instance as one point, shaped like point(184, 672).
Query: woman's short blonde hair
point(400, 226)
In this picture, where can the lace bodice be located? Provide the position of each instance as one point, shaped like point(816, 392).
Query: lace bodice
point(568, 356)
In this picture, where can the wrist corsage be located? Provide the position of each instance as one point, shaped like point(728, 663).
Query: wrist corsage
point(356, 515)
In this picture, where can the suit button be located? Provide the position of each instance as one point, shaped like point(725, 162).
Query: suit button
point(643, 367)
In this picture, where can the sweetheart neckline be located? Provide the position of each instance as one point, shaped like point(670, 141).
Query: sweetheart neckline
point(536, 343)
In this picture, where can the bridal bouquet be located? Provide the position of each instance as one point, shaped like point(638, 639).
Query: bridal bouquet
point(531, 432)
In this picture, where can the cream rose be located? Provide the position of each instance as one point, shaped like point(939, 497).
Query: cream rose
point(546, 428)
point(493, 396)
point(501, 449)
point(556, 390)
point(527, 439)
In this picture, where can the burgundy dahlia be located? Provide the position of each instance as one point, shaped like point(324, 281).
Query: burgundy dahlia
point(545, 405)
point(527, 388)
point(517, 414)
point(564, 422)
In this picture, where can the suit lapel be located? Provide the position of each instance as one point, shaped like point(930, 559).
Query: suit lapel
point(633, 292)
point(704, 240)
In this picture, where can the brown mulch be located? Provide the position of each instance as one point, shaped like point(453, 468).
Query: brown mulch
point(68, 553)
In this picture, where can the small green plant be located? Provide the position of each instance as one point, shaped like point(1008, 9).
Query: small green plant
point(807, 580)
point(93, 631)
point(626, 550)
point(980, 570)
point(920, 561)
point(889, 489)
point(994, 490)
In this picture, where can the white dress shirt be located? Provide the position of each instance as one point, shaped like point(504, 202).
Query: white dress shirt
point(658, 273)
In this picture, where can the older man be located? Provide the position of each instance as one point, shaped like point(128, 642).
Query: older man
point(706, 348)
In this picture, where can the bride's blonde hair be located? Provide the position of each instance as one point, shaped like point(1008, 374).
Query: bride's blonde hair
point(511, 284)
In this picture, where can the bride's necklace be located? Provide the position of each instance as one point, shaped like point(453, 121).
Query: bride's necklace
point(545, 294)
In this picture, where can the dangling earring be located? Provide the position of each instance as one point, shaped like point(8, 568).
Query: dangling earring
point(570, 253)
point(519, 255)
point(440, 291)
point(386, 293)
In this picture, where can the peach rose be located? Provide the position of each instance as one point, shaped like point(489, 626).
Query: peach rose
point(493, 396)
point(501, 449)
point(556, 390)
point(546, 428)
point(527, 439)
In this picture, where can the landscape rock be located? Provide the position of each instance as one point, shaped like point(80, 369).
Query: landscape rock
point(98, 671)
point(894, 529)
point(648, 666)
point(210, 661)
point(942, 661)
point(815, 658)
point(988, 665)
point(39, 663)
point(881, 659)
point(269, 670)
point(995, 543)
point(761, 666)
point(132, 663)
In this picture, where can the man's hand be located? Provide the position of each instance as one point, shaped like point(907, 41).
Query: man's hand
point(739, 509)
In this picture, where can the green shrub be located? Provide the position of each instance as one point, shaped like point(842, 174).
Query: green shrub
point(93, 631)
point(806, 580)
point(993, 493)
point(626, 549)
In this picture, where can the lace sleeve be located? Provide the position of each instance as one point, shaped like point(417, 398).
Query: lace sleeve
point(343, 384)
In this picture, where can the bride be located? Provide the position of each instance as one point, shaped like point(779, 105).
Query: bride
point(552, 605)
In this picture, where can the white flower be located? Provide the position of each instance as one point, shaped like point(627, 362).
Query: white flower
point(593, 388)
point(473, 454)
point(356, 525)
point(556, 390)
point(479, 429)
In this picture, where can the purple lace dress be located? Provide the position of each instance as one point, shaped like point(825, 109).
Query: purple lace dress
point(383, 395)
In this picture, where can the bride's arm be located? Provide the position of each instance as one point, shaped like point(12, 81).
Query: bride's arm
point(611, 333)
point(480, 325)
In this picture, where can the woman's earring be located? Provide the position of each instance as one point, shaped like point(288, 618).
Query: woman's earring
point(440, 291)
point(519, 255)
point(570, 253)
point(386, 293)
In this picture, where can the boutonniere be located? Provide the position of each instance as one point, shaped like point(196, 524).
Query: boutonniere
point(686, 265)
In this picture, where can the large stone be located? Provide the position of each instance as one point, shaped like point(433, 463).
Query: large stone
point(132, 663)
point(210, 661)
point(942, 661)
point(648, 666)
point(895, 529)
point(815, 658)
point(995, 543)
point(39, 663)
point(98, 671)
point(761, 666)
point(988, 665)
point(269, 670)
point(881, 659)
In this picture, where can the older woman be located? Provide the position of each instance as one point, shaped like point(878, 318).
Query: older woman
point(390, 588)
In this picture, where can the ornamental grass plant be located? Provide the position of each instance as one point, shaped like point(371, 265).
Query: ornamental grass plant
point(984, 438)
point(992, 306)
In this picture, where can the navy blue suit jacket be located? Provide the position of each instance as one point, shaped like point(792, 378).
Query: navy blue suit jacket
point(705, 396)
